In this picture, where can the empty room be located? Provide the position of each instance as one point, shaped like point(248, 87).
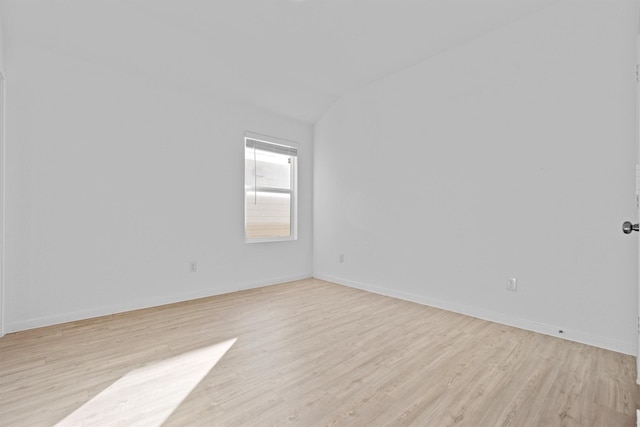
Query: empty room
point(319, 212)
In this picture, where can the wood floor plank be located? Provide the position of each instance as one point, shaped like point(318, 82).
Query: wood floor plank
point(314, 353)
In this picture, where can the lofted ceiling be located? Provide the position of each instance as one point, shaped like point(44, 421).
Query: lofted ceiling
point(290, 57)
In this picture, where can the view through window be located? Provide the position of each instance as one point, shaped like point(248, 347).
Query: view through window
point(270, 190)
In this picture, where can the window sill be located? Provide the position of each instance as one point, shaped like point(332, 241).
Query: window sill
point(270, 239)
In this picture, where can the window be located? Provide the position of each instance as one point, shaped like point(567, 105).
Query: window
point(270, 181)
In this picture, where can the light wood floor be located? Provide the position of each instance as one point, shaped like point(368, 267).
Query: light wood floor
point(311, 353)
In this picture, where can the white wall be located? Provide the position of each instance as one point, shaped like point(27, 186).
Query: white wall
point(115, 184)
point(2, 162)
point(512, 155)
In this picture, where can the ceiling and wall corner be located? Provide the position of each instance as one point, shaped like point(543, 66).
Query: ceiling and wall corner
point(288, 57)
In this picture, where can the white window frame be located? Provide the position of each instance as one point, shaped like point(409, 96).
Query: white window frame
point(293, 221)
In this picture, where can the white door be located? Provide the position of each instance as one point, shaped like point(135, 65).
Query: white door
point(638, 193)
point(627, 226)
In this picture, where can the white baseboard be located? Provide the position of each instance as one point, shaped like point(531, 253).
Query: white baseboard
point(571, 335)
point(55, 319)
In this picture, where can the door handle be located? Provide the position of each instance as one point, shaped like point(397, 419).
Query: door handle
point(627, 227)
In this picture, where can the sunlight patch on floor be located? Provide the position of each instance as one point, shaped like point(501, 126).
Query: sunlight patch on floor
point(147, 396)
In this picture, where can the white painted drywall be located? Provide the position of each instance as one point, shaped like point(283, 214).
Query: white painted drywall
point(2, 163)
point(510, 156)
point(116, 183)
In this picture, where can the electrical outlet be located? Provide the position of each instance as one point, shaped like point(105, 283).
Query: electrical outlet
point(341, 258)
point(193, 266)
point(512, 284)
